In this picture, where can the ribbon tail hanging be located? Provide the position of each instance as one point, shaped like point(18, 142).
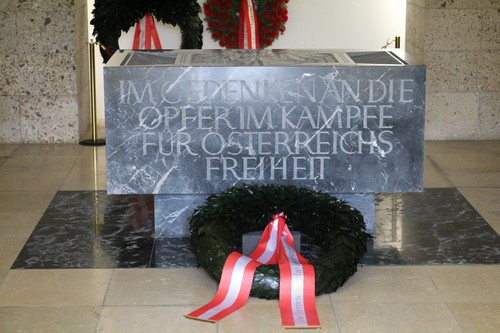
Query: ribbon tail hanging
point(297, 287)
point(249, 26)
point(297, 291)
point(237, 277)
point(234, 289)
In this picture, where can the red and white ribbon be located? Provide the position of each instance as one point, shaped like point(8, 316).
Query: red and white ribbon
point(145, 33)
point(249, 26)
point(296, 295)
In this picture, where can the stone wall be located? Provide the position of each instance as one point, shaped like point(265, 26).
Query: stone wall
point(459, 41)
point(38, 62)
point(44, 84)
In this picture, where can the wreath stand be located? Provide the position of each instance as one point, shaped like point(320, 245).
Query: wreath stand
point(94, 141)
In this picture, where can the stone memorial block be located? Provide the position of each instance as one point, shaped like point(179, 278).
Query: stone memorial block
point(191, 123)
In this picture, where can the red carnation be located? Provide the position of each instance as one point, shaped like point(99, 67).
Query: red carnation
point(222, 20)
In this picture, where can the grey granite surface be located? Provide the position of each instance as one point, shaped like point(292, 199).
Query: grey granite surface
point(292, 118)
point(184, 124)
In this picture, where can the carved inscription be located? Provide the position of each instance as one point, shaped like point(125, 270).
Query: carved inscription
point(265, 129)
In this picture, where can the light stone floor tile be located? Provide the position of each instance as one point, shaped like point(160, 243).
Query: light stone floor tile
point(396, 318)
point(33, 180)
point(7, 149)
point(493, 146)
point(486, 179)
point(28, 182)
point(61, 287)
point(18, 226)
point(49, 320)
point(9, 249)
point(78, 181)
point(475, 318)
point(89, 171)
point(468, 283)
point(433, 176)
point(91, 154)
point(151, 319)
point(92, 158)
point(46, 150)
point(486, 202)
point(27, 202)
point(470, 162)
point(19, 220)
point(458, 147)
point(84, 166)
point(40, 164)
point(182, 286)
point(265, 318)
point(15, 232)
point(388, 284)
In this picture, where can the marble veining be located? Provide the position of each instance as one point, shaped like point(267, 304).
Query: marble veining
point(201, 125)
point(437, 226)
point(92, 229)
point(86, 229)
point(188, 123)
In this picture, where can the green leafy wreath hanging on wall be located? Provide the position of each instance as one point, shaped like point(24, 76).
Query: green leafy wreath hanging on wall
point(222, 18)
point(111, 17)
point(335, 227)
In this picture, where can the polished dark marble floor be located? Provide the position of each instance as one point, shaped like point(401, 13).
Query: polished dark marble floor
point(437, 226)
point(86, 229)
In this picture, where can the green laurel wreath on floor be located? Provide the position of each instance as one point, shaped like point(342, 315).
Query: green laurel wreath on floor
point(111, 17)
point(337, 228)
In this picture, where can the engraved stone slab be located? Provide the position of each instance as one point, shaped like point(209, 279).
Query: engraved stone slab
point(185, 124)
point(224, 118)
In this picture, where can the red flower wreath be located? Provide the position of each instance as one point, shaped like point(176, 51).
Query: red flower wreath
point(222, 18)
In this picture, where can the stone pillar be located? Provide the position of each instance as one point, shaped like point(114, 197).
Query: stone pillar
point(82, 68)
point(38, 62)
point(458, 41)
